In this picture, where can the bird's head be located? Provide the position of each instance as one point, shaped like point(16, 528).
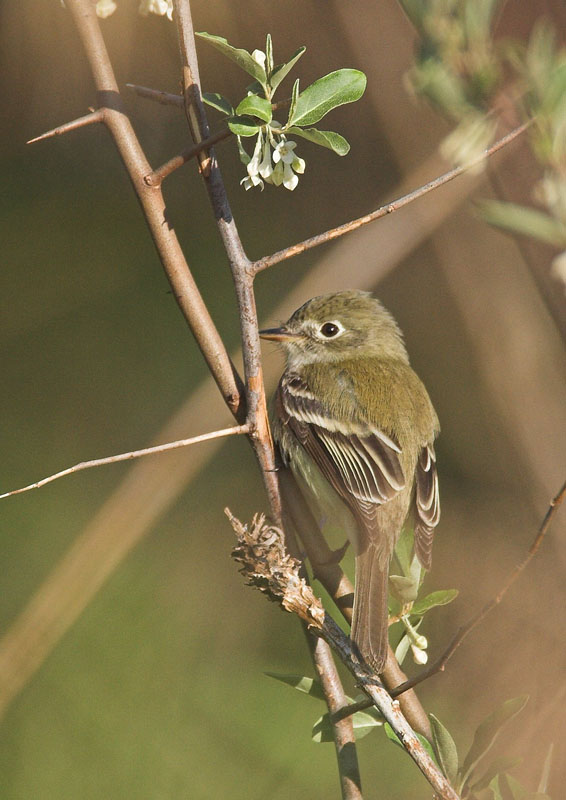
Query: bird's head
point(337, 326)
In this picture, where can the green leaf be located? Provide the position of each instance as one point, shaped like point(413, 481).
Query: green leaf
point(404, 550)
point(362, 721)
point(268, 54)
point(488, 731)
point(497, 766)
point(543, 783)
point(294, 98)
point(241, 57)
point(523, 220)
point(445, 748)
point(282, 70)
point(402, 648)
point(403, 589)
point(511, 789)
point(335, 89)
point(245, 158)
point(392, 736)
point(494, 786)
point(242, 126)
point(218, 102)
point(440, 598)
point(324, 138)
point(255, 106)
point(303, 684)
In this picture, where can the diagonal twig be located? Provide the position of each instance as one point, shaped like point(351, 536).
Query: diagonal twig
point(145, 451)
point(383, 211)
point(464, 630)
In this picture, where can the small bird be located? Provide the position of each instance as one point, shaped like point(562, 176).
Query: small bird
point(356, 427)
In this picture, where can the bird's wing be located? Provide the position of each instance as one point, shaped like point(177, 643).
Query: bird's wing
point(361, 462)
point(427, 504)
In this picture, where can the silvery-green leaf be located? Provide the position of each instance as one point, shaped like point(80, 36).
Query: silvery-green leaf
point(392, 736)
point(404, 550)
point(255, 106)
point(328, 139)
point(502, 764)
point(363, 723)
point(242, 126)
point(543, 783)
point(294, 98)
point(302, 683)
point(268, 54)
point(523, 220)
point(445, 748)
point(440, 598)
point(488, 731)
point(402, 649)
point(495, 790)
point(403, 589)
point(241, 57)
point(218, 102)
point(282, 70)
point(334, 89)
point(245, 158)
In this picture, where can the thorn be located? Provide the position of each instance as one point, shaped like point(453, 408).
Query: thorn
point(89, 119)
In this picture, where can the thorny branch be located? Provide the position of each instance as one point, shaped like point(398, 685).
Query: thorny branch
point(266, 565)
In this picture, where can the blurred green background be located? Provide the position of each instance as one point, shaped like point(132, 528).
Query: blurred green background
point(157, 690)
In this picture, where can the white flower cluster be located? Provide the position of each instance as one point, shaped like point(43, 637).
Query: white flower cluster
point(104, 8)
point(159, 7)
point(273, 161)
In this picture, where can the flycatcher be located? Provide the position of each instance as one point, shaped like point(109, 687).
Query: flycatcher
point(356, 427)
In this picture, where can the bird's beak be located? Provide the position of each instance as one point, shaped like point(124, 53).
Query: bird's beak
point(282, 334)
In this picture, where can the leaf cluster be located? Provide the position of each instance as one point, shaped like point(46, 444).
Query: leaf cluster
point(307, 107)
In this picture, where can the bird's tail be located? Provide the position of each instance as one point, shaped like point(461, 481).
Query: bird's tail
point(370, 615)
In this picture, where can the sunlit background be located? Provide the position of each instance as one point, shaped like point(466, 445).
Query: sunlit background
point(157, 690)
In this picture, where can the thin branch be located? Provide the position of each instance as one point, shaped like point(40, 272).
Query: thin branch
point(464, 630)
point(164, 98)
point(389, 208)
point(81, 122)
point(239, 262)
point(266, 565)
point(342, 729)
point(146, 451)
point(152, 201)
point(158, 175)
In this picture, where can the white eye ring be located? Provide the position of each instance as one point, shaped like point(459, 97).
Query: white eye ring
point(330, 330)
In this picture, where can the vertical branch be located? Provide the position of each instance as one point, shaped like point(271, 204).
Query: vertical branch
point(344, 739)
point(239, 262)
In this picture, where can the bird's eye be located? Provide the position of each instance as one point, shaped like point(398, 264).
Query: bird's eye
point(329, 329)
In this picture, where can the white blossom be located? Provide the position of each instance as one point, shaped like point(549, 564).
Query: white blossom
point(104, 8)
point(419, 656)
point(284, 151)
point(259, 57)
point(290, 180)
point(159, 7)
point(266, 167)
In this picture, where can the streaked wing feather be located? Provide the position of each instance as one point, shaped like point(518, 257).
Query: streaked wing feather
point(427, 505)
point(364, 468)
